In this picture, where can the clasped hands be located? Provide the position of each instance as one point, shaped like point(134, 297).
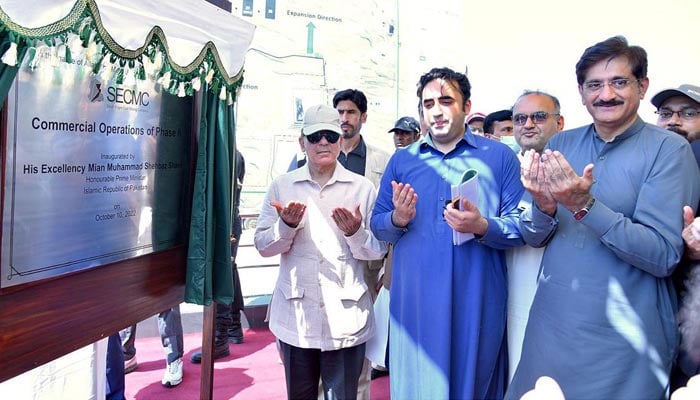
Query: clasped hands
point(691, 233)
point(347, 221)
point(404, 199)
point(551, 180)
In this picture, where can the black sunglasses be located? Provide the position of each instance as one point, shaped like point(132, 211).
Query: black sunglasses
point(331, 137)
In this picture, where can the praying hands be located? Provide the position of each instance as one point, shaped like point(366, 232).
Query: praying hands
point(551, 179)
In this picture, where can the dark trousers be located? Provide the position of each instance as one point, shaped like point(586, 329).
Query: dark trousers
point(228, 316)
point(339, 371)
point(115, 384)
point(228, 324)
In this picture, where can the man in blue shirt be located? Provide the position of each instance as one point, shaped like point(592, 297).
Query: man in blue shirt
point(448, 302)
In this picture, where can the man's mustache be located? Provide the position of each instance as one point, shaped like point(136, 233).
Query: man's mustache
point(608, 103)
point(678, 130)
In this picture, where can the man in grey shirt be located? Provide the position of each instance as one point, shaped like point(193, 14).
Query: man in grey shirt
point(602, 322)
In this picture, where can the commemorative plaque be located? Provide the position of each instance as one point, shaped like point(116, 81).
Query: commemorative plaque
point(95, 172)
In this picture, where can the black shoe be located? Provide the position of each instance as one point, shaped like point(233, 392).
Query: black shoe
point(235, 336)
point(378, 373)
point(219, 352)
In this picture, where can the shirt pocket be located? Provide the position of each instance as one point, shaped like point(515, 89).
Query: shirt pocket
point(289, 307)
point(291, 292)
point(348, 313)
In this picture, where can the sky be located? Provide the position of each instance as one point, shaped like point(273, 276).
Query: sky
point(510, 46)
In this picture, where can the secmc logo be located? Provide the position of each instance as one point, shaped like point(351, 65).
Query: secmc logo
point(95, 91)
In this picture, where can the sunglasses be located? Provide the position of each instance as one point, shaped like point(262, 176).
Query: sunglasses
point(539, 117)
point(331, 137)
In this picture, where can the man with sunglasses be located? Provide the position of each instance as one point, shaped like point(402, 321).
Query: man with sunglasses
point(536, 118)
point(602, 323)
point(356, 154)
point(364, 159)
point(678, 110)
point(317, 219)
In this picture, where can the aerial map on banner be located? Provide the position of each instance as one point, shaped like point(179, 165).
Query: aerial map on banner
point(303, 52)
point(95, 171)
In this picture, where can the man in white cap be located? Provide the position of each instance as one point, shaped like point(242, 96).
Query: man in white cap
point(317, 219)
point(678, 110)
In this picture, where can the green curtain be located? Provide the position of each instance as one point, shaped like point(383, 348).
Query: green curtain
point(209, 276)
point(7, 75)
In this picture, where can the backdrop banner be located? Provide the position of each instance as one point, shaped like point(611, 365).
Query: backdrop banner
point(95, 172)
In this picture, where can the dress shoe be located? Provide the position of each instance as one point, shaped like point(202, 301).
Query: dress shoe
point(130, 365)
point(378, 373)
point(235, 330)
point(235, 336)
point(219, 352)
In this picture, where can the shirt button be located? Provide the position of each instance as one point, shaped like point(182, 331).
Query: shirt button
point(601, 158)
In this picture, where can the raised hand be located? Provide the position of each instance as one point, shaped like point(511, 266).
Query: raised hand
point(567, 188)
point(533, 178)
point(347, 221)
point(404, 199)
point(292, 214)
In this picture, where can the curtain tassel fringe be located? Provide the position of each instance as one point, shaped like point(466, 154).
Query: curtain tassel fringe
point(10, 56)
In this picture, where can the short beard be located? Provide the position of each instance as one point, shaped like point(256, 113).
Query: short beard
point(679, 131)
point(349, 134)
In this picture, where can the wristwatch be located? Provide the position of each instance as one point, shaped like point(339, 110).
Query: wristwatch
point(578, 215)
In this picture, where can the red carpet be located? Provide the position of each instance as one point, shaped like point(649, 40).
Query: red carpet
point(252, 371)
